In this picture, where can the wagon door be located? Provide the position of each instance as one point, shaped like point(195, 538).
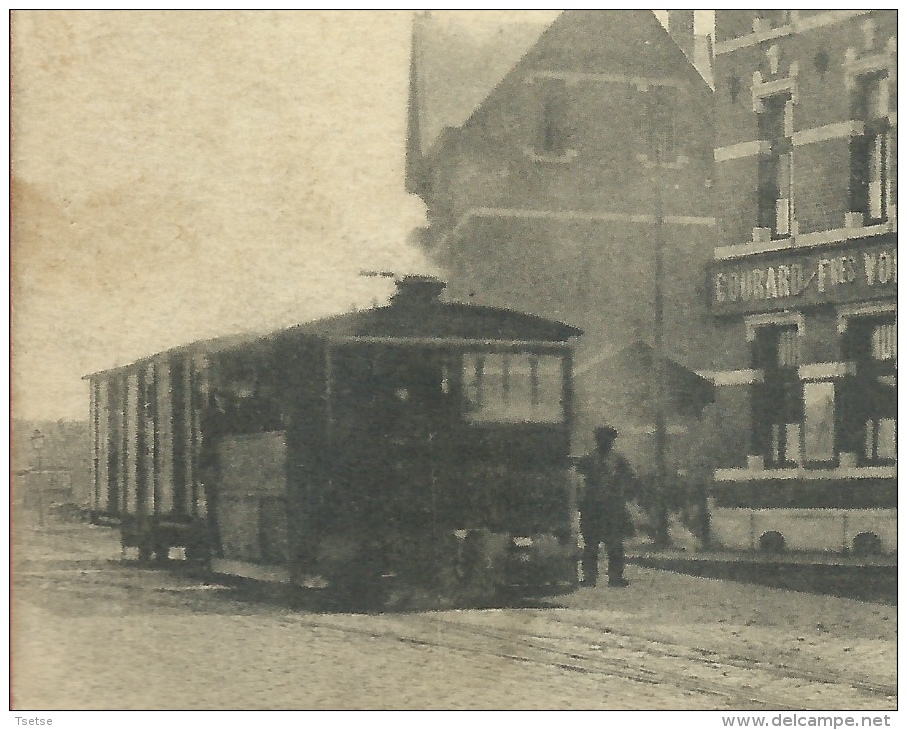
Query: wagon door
point(251, 501)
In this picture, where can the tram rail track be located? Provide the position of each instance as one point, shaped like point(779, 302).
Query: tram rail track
point(789, 671)
point(751, 696)
point(593, 647)
point(434, 631)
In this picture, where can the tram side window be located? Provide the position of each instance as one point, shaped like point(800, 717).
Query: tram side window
point(242, 401)
point(513, 388)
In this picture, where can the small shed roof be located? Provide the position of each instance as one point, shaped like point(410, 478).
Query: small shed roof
point(628, 383)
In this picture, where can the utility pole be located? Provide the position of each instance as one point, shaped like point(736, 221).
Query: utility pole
point(658, 116)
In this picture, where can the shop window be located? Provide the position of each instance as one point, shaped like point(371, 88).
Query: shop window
point(785, 444)
point(869, 152)
point(884, 341)
point(775, 170)
point(513, 388)
point(881, 439)
point(881, 432)
point(778, 402)
point(868, 420)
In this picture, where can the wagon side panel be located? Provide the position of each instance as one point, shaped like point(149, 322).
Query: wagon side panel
point(164, 501)
point(101, 420)
point(147, 442)
point(302, 368)
point(180, 438)
point(131, 465)
point(114, 447)
point(93, 418)
point(198, 385)
point(124, 446)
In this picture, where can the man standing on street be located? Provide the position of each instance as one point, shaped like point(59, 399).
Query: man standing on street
point(604, 517)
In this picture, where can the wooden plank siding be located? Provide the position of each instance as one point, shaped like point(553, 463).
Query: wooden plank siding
point(102, 483)
point(118, 418)
point(93, 439)
point(148, 442)
point(164, 497)
point(129, 482)
point(198, 395)
point(188, 450)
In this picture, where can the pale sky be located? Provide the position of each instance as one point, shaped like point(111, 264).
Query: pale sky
point(191, 174)
point(180, 175)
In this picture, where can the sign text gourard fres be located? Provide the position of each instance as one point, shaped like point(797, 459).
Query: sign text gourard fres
point(807, 278)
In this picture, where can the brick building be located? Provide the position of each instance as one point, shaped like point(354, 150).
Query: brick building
point(804, 282)
point(557, 190)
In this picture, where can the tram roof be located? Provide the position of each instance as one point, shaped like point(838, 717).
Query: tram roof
point(401, 321)
point(440, 320)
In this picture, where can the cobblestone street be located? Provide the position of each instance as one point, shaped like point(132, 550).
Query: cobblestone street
point(91, 633)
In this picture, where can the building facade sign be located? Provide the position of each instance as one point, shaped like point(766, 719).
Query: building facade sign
point(781, 280)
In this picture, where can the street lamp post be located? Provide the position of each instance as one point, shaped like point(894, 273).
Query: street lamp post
point(37, 444)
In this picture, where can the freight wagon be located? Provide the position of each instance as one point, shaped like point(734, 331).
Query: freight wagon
point(423, 445)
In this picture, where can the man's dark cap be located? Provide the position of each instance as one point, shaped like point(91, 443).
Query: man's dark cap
point(605, 434)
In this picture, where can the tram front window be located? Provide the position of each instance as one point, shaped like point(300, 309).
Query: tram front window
point(513, 388)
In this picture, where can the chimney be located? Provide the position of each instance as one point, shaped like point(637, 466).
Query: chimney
point(418, 290)
point(680, 26)
point(704, 58)
point(414, 177)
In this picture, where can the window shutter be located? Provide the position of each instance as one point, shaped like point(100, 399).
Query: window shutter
point(859, 174)
point(768, 192)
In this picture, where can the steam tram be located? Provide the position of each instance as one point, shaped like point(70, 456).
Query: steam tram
point(422, 445)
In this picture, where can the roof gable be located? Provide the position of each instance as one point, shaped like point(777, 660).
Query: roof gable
point(628, 43)
point(456, 64)
point(631, 42)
